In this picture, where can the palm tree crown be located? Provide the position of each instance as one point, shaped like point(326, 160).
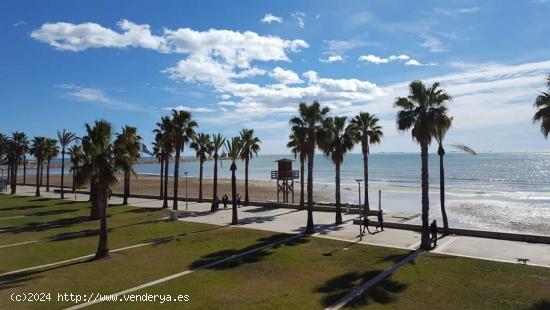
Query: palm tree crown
point(542, 103)
point(202, 146)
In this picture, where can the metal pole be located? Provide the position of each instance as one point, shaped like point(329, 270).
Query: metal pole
point(360, 213)
point(186, 172)
point(379, 200)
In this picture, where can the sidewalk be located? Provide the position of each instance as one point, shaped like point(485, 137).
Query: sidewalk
point(293, 221)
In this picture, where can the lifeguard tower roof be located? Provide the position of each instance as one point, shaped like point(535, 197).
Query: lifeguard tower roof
point(283, 160)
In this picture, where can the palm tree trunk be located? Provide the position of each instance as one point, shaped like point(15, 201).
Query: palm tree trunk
point(302, 169)
point(74, 176)
point(425, 240)
point(337, 194)
point(101, 198)
point(310, 228)
point(37, 193)
point(161, 177)
point(48, 176)
point(24, 170)
point(126, 188)
point(246, 162)
point(441, 153)
point(62, 171)
point(366, 203)
point(215, 188)
point(95, 213)
point(166, 166)
point(200, 178)
point(13, 186)
point(41, 174)
point(235, 219)
point(176, 176)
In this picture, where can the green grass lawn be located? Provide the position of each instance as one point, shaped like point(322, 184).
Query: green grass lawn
point(305, 273)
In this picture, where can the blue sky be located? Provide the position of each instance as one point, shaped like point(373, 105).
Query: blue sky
point(249, 63)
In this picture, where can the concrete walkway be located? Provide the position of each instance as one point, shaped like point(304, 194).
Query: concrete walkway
point(293, 221)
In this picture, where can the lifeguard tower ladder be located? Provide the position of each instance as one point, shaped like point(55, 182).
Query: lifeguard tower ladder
point(285, 177)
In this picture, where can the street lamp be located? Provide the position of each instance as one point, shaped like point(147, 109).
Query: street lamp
point(359, 207)
point(186, 173)
point(359, 183)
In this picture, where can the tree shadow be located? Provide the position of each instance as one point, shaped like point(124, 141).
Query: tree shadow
point(144, 210)
point(541, 305)
point(20, 208)
point(395, 258)
point(53, 212)
point(383, 292)
point(253, 257)
point(59, 223)
point(321, 229)
point(167, 239)
point(75, 235)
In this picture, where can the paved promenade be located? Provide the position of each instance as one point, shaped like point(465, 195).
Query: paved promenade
point(293, 221)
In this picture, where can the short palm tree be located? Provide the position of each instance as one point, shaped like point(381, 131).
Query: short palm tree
point(184, 131)
point(165, 138)
point(19, 147)
point(217, 142)
point(419, 111)
point(203, 150)
point(65, 138)
point(76, 155)
point(443, 124)
point(250, 146)
point(298, 146)
point(4, 141)
point(100, 166)
point(39, 150)
point(312, 118)
point(53, 151)
point(337, 139)
point(234, 148)
point(128, 145)
point(367, 131)
point(542, 103)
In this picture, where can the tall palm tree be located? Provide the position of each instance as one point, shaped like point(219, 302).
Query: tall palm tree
point(337, 139)
point(312, 118)
point(53, 151)
point(158, 153)
point(542, 103)
point(39, 150)
point(367, 132)
point(65, 138)
point(4, 141)
point(203, 150)
point(419, 111)
point(100, 166)
point(234, 149)
point(443, 124)
point(165, 135)
point(250, 146)
point(19, 147)
point(128, 145)
point(298, 146)
point(76, 155)
point(217, 143)
point(184, 131)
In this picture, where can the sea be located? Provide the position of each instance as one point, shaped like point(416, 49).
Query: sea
point(492, 191)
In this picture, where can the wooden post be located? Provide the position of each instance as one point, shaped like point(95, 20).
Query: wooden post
point(379, 200)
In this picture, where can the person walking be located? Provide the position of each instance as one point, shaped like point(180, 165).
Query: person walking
point(433, 231)
point(238, 200)
point(366, 225)
point(225, 199)
point(380, 221)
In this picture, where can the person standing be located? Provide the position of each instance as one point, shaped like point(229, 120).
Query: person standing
point(238, 200)
point(380, 221)
point(225, 199)
point(433, 231)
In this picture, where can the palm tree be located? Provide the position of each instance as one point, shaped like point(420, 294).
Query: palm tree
point(128, 145)
point(4, 142)
point(39, 150)
point(234, 149)
point(419, 111)
point(158, 153)
point(337, 139)
point(298, 146)
point(53, 151)
point(367, 132)
point(312, 118)
point(542, 103)
point(203, 149)
point(100, 166)
point(217, 143)
point(19, 147)
point(164, 135)
point(76, 155)
point(443, 124)
point(65, 138)
point(184, 131)
point(250, 146)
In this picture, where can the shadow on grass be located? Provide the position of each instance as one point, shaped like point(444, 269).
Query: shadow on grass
point(53, 212)
point(383, 293)
point(167, 239)
point(20, 208)
point(60, 223)
point(395, 258)
point(541, 305)
point(144, 210)
point(322, 229)
point(253, 257)
point(75, 235)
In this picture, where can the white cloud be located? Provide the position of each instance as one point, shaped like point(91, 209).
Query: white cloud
point(373, 59)
point(414, 62)
point(299, 17)
point(98, 96)
point(285, 76)
point(269, 18)
point(20, 23)
point(432, 43)
point(455, 12)
point(190, 109)
point(402, 58)
point(332, 58)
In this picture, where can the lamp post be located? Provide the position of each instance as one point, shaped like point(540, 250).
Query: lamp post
point(186, 173)
point(359, 183)
point(360, 213)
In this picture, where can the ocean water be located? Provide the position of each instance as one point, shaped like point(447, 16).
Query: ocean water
point(495, 191)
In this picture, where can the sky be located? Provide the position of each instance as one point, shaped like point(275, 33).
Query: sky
point(248, 64)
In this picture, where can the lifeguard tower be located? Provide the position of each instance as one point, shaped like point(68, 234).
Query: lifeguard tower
point(285, 177)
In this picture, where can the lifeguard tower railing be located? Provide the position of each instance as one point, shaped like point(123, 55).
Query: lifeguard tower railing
point(284, 175)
